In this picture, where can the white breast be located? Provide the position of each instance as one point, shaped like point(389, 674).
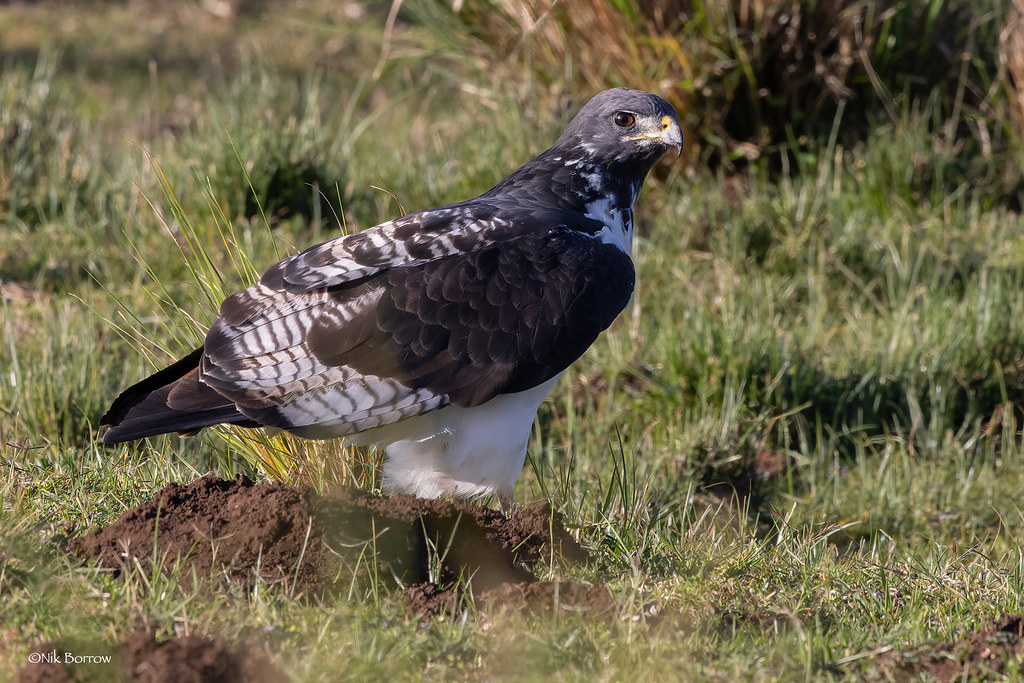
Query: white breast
point(618, 224)
point(460, 452)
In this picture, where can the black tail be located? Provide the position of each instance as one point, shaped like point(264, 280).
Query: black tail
point(171, 400)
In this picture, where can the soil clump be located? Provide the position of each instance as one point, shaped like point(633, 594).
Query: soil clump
point(143, 658)
point(273, 533)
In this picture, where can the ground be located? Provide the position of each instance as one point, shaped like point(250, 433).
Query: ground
point(441, 556)
point(276, 533)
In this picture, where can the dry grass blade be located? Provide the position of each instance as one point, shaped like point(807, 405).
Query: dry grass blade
point(1012, 40)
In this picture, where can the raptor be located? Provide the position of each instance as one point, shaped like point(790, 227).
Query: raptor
point(436, 335)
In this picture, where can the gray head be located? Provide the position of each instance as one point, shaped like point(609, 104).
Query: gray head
point(622, 126)
point(606, 151)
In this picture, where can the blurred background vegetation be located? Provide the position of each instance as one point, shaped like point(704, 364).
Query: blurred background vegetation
point(770, 81)
point(753, 78)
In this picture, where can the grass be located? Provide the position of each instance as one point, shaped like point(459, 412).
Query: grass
point(801, 444)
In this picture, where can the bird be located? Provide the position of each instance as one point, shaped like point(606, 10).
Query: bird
point(436, 335)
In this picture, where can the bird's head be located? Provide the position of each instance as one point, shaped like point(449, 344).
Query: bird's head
point(624, 127)
point(605, 152)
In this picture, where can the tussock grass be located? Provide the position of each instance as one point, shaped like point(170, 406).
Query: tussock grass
point(760, 78)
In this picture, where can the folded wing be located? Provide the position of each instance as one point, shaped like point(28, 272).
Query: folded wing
point(367, 330)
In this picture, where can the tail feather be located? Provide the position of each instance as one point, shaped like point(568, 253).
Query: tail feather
point(171, 400)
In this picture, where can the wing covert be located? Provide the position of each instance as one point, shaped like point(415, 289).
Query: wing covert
point(501, 319)
point(410, 240)
point(499, 314)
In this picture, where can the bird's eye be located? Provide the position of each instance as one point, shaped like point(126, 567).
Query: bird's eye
point(624, 119)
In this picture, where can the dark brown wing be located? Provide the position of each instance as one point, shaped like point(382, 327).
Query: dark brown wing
point(498, 320)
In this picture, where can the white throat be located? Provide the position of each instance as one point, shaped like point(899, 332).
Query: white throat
point(618, 224)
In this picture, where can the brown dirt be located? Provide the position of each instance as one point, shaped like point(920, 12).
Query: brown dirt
point(280, 534)
point(212, 525)
point(193, 658)
point(982, 655)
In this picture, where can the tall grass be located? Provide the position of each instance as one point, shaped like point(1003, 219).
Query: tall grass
point(754, 79)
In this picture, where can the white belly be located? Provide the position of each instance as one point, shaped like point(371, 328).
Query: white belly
point(460, 452)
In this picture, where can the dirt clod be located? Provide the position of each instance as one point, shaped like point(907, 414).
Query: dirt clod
point(192, 658)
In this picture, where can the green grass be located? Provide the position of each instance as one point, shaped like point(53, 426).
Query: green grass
point(800, 444)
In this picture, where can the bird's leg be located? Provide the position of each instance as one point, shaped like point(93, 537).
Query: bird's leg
point(507, 503)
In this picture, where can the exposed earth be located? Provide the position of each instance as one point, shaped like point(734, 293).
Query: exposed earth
point(143, 658)
point(279, 534)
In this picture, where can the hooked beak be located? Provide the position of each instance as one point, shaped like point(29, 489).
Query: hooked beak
point(667, 132)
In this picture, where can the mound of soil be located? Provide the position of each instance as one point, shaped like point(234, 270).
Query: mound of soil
point(981, 655)
point(193, 658)
point(248, 532)
point(274, 533)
